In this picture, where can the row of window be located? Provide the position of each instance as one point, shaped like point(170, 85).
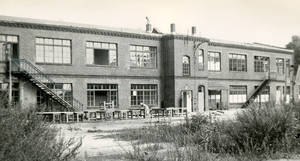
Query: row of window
point(58, 51)
point(237, 63)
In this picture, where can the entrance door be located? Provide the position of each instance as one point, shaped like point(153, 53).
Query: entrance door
point(186, 97)
point(201, 98)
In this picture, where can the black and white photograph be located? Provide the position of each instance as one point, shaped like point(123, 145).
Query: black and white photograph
point(149, 80)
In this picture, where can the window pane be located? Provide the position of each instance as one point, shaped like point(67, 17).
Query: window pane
point(66, 55)
point(58, 55)
point(66, 42)
point(49, 54)
point(57, 42)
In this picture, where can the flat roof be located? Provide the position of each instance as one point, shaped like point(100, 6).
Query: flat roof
point(125, 32)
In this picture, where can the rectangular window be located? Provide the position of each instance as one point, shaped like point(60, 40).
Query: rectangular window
point(261, 64)
point(186, 66)
point(288, 67)
point(237, 62)
point(214, 61)
point(238, 94)
point(63, 90)
point(280, 65)
point(53, 51)
point(288, 94)
point(143, 56)
point(200, 59)
point(214, 99)
point(144, 93)
point(264, 95)
point(97, 94)
point(100, 53)
point(4, 39)
point(15, 92)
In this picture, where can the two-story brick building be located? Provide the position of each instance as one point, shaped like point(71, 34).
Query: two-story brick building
point(56, 62)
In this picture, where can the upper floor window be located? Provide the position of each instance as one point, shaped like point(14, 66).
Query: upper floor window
point(53, 51)
point(4, 39)
point(288, 66)
point(200, 59)
point(280, 65)
point(186, 65)
point(261, 64)
point(214, 61)
point(99, 53)
point(142, 56)
point(237, 62)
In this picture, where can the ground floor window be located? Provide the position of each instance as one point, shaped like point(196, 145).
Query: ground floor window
point(279, 94)
point(144, 93)
point(264, 95)
point(214, 99)
point(237, 94)
point(15, 92)
point(288, 94)
point(97, 94)
point(63, 90)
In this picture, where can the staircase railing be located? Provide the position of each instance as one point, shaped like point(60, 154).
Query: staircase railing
point(26, 67)
point(256, 91)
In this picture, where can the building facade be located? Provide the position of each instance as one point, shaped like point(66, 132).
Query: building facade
point(126, 68)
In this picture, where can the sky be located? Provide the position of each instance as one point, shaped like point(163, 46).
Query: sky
point(265, 21)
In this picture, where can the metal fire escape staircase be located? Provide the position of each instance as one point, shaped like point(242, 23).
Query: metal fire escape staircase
point(257, 91)
point(24, 68)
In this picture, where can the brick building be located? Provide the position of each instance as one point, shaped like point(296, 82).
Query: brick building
point(54, 63)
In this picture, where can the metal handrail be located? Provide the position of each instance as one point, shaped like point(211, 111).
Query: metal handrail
point(23, 65)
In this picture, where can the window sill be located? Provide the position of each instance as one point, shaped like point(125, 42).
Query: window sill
point(53, 64)
point(214, 71)
point(105, 66)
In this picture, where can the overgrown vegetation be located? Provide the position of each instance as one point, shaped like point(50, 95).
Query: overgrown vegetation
point(257, 133)
point(25, 137)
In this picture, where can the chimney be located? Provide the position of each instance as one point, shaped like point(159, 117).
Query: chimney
point(172, 28)
point(194, 31)
point(148, 27)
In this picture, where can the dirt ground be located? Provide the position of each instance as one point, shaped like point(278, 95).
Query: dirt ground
point(97, 147)
point(94, 142)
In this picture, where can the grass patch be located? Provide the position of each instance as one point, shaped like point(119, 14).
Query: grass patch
point(257, 133)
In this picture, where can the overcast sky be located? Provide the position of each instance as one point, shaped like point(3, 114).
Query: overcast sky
point(265, 21)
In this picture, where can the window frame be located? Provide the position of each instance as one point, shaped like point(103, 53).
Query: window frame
point(137, 51)
point(238, 63)
point(102, 48)
point(200, 64)
point(186, 68)
point(244, 94)
point(214, 62)
point(53, 45)
point(255, 62)
point(6, 42)
point(278, 69)
point(152, 88)
point(95, 88)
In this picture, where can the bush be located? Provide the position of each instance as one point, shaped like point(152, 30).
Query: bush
point(258, 130)
point(24, 136)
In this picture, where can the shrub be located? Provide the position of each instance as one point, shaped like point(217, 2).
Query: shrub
point(258, 130)
point(25, 137)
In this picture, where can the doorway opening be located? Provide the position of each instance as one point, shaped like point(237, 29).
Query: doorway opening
point(186, 97)
point(201, 98)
